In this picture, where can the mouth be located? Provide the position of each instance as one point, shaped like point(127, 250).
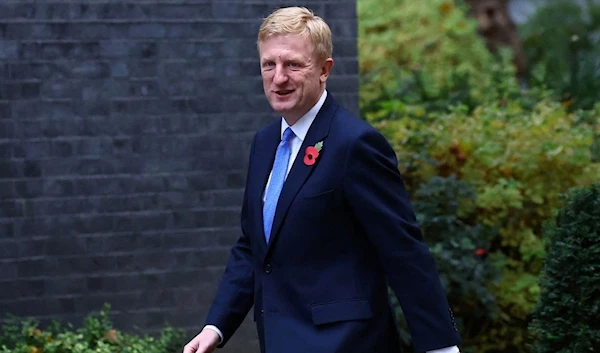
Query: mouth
point(284, 92)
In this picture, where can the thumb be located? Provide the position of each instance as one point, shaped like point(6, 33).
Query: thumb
point(192, 346)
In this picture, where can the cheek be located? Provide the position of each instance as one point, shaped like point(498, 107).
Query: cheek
point(310, 83)
point(266, 80)
point(301, 80)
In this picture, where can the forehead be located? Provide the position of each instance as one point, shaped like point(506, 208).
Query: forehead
point(286, 45)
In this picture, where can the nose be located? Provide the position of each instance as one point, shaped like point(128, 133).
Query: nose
point(281, 76)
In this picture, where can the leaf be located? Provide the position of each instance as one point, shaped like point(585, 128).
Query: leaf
point(319, 146)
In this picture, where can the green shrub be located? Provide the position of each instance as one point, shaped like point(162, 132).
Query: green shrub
point(566, 319)
point(458, 247)
point(96, 335)
point(460, 251)
point(426, 55)
point(483, 160)
point(562, 46)
point(444, 207)
point(517, 162)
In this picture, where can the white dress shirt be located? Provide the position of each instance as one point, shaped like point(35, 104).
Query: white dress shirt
point(300, 129)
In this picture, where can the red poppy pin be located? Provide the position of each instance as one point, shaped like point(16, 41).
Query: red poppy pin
point(312, 153)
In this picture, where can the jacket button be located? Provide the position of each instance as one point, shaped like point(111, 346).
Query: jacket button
point(268, 268)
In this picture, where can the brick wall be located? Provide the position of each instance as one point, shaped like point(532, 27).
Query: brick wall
point(124, 134)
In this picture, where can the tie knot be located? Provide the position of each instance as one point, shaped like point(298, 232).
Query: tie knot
point(288, 135)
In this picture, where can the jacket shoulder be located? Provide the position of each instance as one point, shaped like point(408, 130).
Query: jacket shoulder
point(350, 126)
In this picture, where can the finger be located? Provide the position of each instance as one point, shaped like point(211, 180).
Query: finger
point(189, 348)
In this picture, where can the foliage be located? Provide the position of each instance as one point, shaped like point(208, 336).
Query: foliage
point(97, 335)
point(421, 56)
point(566, 317)
point(517, 163)
point(442, 204)
point(562, 45)
point(484, 161)
point(459, 249)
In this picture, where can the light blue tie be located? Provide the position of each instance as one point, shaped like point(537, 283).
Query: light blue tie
point(282, 158)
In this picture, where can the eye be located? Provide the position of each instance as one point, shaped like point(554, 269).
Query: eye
point(293, 64)
point(268, 64)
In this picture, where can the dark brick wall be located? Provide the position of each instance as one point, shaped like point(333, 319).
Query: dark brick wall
point(124, 134)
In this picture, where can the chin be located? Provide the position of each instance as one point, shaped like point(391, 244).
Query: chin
point(281, 107)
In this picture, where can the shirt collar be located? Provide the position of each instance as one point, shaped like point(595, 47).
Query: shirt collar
point(300, 128)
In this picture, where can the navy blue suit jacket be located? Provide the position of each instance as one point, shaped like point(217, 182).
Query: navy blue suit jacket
point(343, 230)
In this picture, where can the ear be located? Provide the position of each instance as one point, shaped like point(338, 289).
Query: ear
point(326, 69)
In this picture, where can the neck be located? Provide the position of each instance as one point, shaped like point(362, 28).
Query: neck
point(293, 120)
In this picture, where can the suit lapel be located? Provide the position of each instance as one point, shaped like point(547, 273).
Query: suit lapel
point(266, 147)
point(300, 171)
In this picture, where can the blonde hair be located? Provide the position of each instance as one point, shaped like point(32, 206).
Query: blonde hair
point(300, 21)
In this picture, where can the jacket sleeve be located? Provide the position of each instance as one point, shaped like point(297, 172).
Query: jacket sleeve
point(377, 196)
point(235, 295)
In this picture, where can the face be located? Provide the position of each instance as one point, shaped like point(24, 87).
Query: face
point(293, 76)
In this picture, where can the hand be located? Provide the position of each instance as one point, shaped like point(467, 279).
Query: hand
point(205, 342)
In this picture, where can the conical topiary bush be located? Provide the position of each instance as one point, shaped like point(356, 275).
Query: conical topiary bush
point(567, 316)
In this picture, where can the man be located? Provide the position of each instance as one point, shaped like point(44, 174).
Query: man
point(326, 221)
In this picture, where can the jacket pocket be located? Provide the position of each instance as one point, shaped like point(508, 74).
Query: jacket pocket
point(319, 194)
point(345, 310)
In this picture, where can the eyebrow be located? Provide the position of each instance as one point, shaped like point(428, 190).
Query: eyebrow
point(287, 59)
